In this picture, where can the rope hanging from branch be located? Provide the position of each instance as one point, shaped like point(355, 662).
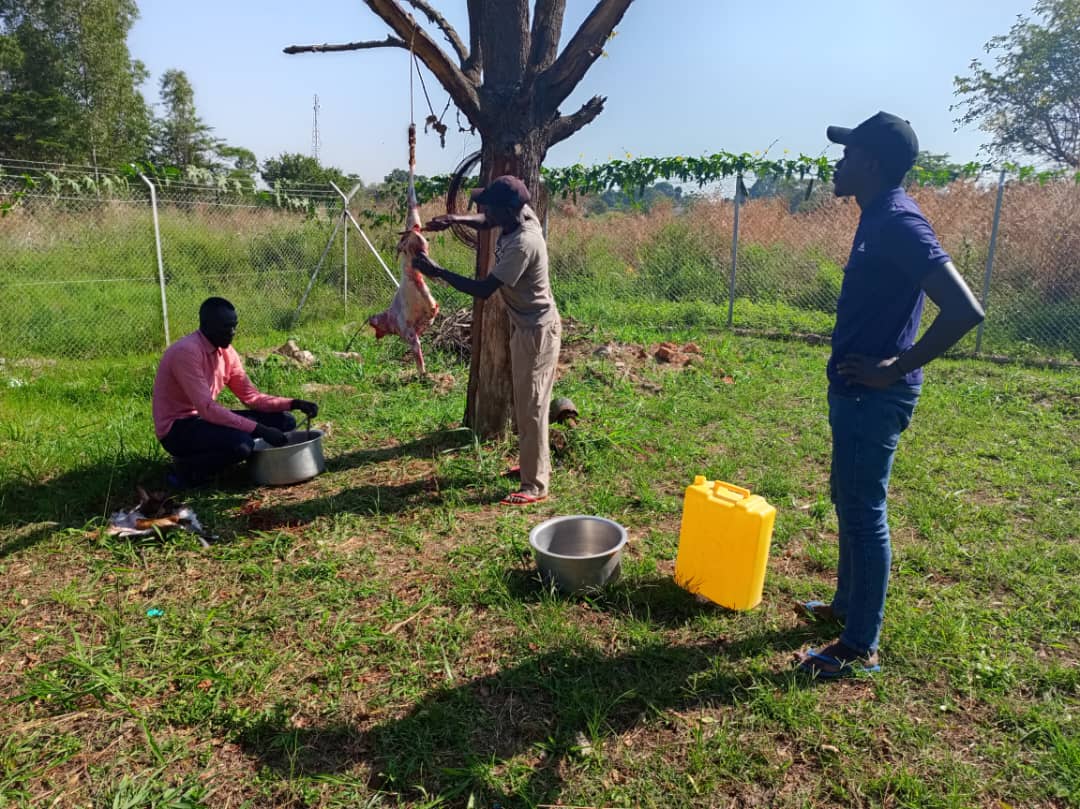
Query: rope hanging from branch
point(413, 205)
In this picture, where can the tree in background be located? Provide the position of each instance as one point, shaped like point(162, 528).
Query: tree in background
point(302, 169)
point(1030, 101)
point(181, 138)
point(621, 200)
point(240, 163)
point(935, 169)
point(69, 85)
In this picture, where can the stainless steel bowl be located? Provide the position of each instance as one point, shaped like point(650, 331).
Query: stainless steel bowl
point(301, 459)
point(579, 552)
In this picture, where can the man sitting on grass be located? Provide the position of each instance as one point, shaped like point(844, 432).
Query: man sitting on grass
point(202, 436)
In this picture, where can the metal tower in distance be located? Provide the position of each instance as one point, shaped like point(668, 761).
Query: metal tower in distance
point(315, 139)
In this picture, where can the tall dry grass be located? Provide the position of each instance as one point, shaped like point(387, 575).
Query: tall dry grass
point(673, 261)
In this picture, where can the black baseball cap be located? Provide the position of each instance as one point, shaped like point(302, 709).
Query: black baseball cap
point(886, 136)
point(507, 191)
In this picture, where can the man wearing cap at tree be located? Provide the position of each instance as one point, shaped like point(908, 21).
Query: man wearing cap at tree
point(521, 273)
point(875, 372)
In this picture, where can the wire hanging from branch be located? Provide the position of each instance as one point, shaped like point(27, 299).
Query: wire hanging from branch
point(434, 121)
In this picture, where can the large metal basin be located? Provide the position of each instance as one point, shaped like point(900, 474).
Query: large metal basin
point(301, 459)
point(579, 552)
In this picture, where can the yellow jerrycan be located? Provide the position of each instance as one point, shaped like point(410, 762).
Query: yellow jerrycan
point(724, 543)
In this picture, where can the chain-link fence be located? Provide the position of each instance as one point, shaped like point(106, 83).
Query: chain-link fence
point(119, 265)
point(675, 264)
point(80, 275)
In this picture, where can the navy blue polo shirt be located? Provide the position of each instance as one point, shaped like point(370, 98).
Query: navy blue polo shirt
point(881, 297)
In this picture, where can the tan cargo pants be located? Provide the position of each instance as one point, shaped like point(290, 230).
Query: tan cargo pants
point(534, 355)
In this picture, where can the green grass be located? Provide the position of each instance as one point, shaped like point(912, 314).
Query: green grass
point(377, 637)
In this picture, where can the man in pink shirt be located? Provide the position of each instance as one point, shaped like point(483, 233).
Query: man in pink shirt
point(202, 436)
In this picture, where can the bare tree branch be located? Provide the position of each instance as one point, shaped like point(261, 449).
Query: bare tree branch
point(460, 87)
point(546, 30)
point(448, 30)
point(475, 65)
point(389, 42)
point(506, 24)
point(566, 125)
point(559, 80)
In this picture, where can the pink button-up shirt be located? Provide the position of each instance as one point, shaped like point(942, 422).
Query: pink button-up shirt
point(191, 375)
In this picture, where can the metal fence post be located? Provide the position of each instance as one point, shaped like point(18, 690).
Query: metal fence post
point(315, 274)
point(345, 199)
point(990, 258)
point(160, 265)
point(734, 252)
point(374, 252)
point(345, 259)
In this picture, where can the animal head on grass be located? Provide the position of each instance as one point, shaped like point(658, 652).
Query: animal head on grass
point(155, 503)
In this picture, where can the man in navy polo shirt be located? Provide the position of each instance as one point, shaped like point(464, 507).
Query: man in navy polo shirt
point(875, 372)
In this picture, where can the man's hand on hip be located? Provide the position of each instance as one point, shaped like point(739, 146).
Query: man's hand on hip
point(873, 372)
point(309, 409)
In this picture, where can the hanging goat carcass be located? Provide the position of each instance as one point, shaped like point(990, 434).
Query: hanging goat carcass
point(413, 309)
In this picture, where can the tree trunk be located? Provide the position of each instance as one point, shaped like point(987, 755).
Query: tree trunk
point(489, 404)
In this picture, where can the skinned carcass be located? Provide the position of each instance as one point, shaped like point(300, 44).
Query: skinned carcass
point(413, 309)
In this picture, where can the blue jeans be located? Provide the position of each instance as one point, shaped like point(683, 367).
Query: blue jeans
point(866, 426)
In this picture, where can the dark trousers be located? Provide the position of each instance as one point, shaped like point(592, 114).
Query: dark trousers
point(201, 449)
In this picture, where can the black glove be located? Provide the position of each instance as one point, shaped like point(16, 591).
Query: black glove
point(309, 409)
point(271, 435)
point(425, 265)
point(437, 223)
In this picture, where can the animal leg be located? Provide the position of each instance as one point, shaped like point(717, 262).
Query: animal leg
point(418, 352)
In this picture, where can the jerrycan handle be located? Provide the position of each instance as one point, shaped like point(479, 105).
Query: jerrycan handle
point(739, 490)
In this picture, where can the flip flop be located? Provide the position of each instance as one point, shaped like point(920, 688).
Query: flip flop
point(814, 663)
point(817, 611)
point(512, 472)
point(522, 499)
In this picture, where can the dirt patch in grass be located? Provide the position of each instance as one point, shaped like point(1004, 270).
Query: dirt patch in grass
point(613, 362)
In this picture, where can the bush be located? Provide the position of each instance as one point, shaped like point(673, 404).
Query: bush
point(680, 266)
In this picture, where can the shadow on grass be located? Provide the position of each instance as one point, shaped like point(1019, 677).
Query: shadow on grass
point(539, 712)
point(372, 500)
point(73, 499)
point(79, 497)
point(369, 500)
point(20, 539)
point(428, 446)
point(658, 600)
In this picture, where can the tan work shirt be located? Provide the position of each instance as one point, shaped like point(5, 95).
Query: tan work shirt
point(521, 263)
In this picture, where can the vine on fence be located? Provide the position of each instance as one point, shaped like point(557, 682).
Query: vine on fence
point(635, 175)
point(632, 176)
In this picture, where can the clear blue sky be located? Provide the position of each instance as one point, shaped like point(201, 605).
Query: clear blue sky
point(680, 77)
